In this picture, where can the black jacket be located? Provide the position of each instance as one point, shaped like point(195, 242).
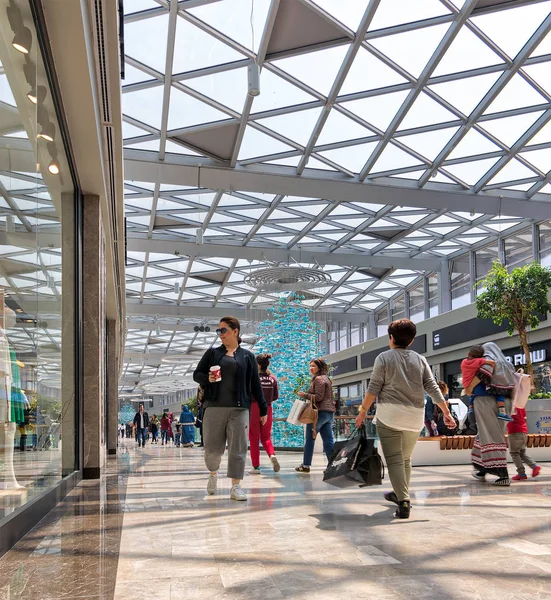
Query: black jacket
point(145, 419)
point(248, 381)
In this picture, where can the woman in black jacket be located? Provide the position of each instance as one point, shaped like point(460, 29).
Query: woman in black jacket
point(226, 404)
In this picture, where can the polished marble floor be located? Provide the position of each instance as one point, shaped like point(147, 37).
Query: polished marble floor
point(149, 530)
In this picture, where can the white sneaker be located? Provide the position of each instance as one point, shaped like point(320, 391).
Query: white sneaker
point(255, 471)
point(237, 493)
point(212, 483)
point(275, 463)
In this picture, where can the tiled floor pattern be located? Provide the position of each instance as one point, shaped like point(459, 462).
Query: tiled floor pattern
point(295, 538)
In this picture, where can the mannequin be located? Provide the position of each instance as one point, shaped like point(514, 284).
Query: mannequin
point(7, 426)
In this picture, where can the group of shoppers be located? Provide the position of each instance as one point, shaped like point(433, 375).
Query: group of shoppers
point(177, 432)
point(237, 391)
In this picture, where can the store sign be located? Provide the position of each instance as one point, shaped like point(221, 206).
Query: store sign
point(537, 356)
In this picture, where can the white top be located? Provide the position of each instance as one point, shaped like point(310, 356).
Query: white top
point(399, 379)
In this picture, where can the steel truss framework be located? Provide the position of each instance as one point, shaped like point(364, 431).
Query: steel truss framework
point(390, 139)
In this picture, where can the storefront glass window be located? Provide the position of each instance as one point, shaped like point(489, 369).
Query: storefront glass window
point(417, 304)
point(518, 249)
point(461, 286)
point(383, 321)
point(37, 344)
point(433, 295)
point(355, 335)
point(484, 258)
point(545, 244)
point(398, 308)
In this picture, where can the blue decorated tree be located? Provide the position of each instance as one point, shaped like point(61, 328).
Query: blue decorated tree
point(126, 413)
point(292, 337)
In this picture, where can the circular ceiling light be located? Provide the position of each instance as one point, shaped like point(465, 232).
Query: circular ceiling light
point(287, 279)
point(53, 167)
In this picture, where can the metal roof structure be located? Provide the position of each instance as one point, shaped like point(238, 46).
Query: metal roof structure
point(390, 139)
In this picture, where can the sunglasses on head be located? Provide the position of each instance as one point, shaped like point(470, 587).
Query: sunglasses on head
point(221, 330)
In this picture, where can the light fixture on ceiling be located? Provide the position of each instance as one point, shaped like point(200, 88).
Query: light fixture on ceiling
point(158, 330)
point(207, 328)
point(23, 40)
point(53, 167)
point(287, 279)
point(176, 287)
point(199, 236)
point(253, 73)
point(47, 131)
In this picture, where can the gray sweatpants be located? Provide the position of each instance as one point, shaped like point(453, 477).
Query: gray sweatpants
point(222, 424)
point(517, 449)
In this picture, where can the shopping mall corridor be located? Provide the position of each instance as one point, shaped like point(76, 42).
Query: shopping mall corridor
point(149, 530)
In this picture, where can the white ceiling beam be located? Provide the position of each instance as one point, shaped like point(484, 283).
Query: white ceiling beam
point(180, 170)
point(322, 257)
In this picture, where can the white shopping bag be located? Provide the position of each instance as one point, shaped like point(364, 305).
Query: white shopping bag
point(521, 391)
point(296, 411)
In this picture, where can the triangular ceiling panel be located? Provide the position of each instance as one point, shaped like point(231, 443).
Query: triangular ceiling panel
point(297, 26)
point(473, 143)
point(187, 111)
point(277, 92)
point(426, 111)
point(352, 158)
point(227, 87)
point(339, 128)
point(377, 110)
point(465, 94)
point(218, 141)
point(509, 129)
point(471, 172)
point(429, 144)
point(393, 158)
point(296, 126)
point(155, 30)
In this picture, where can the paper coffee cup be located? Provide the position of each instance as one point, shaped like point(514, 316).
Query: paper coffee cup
point(216, 372)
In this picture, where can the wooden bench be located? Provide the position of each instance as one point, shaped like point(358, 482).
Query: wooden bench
point(466, 442)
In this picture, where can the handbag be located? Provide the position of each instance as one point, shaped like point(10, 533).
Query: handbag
point(296, 411)
point(355, 462)
point(310, 416)
point(521, 391)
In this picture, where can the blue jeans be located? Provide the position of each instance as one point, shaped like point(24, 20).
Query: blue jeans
point(141, 437)
point(324, 428)
point(164, 436)
point(176, 439)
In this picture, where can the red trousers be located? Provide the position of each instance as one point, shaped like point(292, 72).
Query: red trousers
point(260, 433)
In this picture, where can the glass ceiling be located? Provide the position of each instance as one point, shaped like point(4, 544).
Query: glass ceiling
point(433, 94)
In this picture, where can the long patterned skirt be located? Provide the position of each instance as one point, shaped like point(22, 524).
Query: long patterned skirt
point(489, 454)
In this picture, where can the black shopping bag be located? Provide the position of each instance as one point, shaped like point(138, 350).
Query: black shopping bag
point(355, 462)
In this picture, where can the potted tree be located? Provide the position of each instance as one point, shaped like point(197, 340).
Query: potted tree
point(519, 297)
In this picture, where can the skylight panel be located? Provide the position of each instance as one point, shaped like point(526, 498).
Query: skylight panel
point(352, 158)
point(541, 74)
point(377, 110)
point(426, 111)
point(153, 145)
point(145, 41)
point(277, 93)
point(466, 52)
point(429, 144)
point(314, 163)
point(233, 18)
point(130, 131)
point(509, 129)
point(369, 73)
point(393, 158)
point(296, 126)
point(316, 69)
point(139, 5)
point(348, 12)
point(144, 105)
point(473, 143)
point(511, 171)
point(516, 94)
point(398, 47)
point(227, 87)
point(539, 158)
point(195, 49)
point(186, 111)
point(396, 12)
point(339, 128)
point(471, 172)
point(465, 94)
point(256, 143)
point(133, 75)
point(544, 47)
point(510, 29)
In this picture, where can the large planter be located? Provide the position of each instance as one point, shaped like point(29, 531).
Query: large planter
point(538, 415)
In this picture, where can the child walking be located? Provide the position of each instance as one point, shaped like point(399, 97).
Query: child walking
point(518, 434)
point(469, 368)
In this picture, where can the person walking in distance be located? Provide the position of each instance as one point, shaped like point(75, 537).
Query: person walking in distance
point(257, 431)
point(141, 422)
point(229, 376)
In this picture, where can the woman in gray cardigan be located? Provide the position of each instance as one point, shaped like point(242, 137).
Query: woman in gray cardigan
point(398, 380)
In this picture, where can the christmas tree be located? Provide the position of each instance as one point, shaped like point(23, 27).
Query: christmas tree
point(292, 337)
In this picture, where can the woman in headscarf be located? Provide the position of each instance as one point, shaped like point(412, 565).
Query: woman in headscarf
point(187, 421)
point(489, 454)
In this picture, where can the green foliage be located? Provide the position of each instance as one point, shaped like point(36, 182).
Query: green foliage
point(517, 297)
point(192, 405)
point(540, 396)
